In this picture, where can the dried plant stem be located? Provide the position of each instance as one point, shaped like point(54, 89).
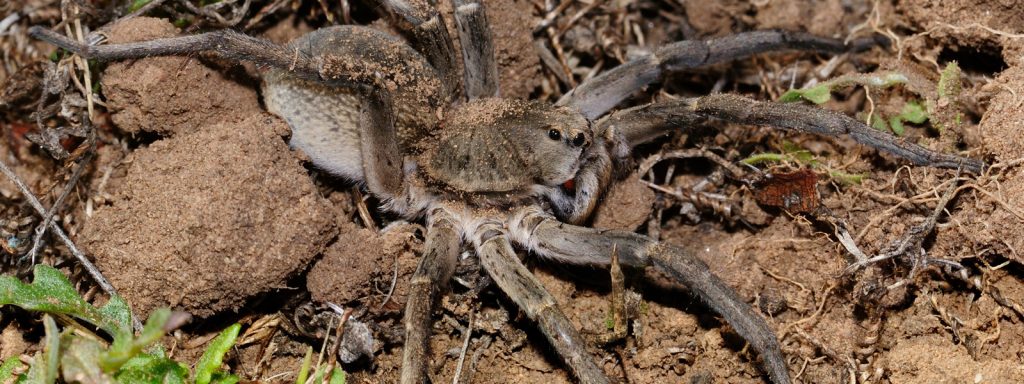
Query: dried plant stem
point(37, 241)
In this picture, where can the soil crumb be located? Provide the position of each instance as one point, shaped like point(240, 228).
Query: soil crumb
point(934, 359)
point(627, 205)
point(173, 94)
point(207, 219)
point(12, 342)
point(360, 266)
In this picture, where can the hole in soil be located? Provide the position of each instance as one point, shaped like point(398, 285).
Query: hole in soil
point(988, 60)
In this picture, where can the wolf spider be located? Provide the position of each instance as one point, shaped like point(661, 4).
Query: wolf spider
point(502, 174)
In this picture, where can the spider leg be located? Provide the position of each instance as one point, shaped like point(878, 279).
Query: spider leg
point(428, 282)
point(571, 244)
point(805, 118)
point(500, 261)
point(480, 70)
point(226, 43)
point(337, 56)
point(381, 158)
point(644, 123)
point(599, 94)
point(638, 125)
point(425, 29)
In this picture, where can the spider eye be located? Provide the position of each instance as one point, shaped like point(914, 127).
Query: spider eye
point(554, 134)
point(579, 140)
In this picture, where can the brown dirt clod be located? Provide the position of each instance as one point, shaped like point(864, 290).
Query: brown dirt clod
point(209, 218)
point(627, 205)
point(361, 260)
point(172, 94)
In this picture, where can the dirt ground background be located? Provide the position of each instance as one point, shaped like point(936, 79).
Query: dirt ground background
point(193, 200)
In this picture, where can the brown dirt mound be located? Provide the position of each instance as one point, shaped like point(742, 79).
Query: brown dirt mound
point(173, 94)
point(207, 219)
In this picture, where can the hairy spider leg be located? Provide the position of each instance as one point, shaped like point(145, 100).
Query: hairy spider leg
point(480, 68)
point(429, 282)
point(425, 29)
point(570, 244)
point(641, 124)
point(601, 93)
point(501, 263)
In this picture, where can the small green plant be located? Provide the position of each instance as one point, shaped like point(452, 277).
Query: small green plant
point(912, 112)
point(51, 292)
point(822, 92)
point(138, 4)
point(337, 376)
point(207, 370)
point(945, 107)
point(938, 103)
point(791, 153)
point(80, 357)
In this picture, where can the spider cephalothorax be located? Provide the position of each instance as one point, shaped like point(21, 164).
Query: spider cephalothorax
point(506, 146)
point(501, 174)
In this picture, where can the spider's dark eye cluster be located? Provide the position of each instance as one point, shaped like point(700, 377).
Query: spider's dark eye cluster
point(579, 140)
point(554, 134)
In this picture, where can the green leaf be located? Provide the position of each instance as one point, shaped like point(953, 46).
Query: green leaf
point(847, 178)
point(137, 4)
point(51, 292)
point(896, 124)
point(223, 378)
point(914, 113)
point(147, 368)
point(764, 158)
point(818, 94)
point(802, 156)
point(8, 367)
point(214, 356)
point(79, 361)
point(304, 369)
point(318, 375)
point(125, 346)
point(337, 376)
point(877, 122)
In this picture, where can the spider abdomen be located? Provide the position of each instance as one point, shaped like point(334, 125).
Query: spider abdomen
point(325, 115)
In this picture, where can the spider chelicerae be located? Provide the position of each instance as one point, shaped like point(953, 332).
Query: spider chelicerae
point(501, 174)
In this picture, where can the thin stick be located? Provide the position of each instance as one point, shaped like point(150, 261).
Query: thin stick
point(323, 348)
point(363, 210)
point(37, 242)
point(465, 347)
point(394, 282)
point(485, 342)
